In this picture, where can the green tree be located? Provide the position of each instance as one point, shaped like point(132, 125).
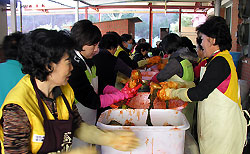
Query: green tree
point(116, 16)
point(163, 21)
point(93, 17)
point(186, 21)
point(142, 28)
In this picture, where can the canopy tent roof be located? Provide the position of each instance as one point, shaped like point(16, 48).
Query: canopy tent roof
point(103, 3)
point(199, 6)
point(98, 6)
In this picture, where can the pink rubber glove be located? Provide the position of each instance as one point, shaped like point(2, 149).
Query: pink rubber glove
point(110, 90)
point(130, 92)
point(154, 78)
point(108, 99)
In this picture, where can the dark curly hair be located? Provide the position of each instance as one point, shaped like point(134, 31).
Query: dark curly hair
point(10, 45)
point(108, 41)
point(42, 47)
point(171, 43)
point(85, 33)
point(217, 28)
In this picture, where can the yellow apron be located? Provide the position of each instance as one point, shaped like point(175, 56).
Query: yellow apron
point(118, 50)
point(222, 127)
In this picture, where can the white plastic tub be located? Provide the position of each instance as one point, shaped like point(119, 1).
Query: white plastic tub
point(156, 139)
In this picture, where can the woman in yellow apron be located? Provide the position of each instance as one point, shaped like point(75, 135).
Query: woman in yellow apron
point(39, 114)
point(222, 126)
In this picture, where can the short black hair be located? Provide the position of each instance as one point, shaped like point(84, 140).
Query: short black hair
point(171, 43)
point(217, 28)
point(85, 33)
point(119, 39)
point(10, 45)
point(126, 37)
point(108, 41)
point(133, 42)
point(186, 42)
point(141, 40)
point(40, 48)
point(143, 46)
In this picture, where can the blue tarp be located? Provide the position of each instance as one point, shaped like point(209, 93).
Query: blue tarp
point(236, 56)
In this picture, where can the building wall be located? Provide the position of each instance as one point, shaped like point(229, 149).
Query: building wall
point(235, 22)
point(222, 12)
point(245, 70)
point(190, 33)
point(131, 28)
point(123, 26)
point(3, 23)
point(119, 26)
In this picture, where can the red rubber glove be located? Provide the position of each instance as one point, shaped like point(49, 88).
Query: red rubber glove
point(130, 92)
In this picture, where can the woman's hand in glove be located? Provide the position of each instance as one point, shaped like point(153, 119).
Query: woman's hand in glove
point(167, 94)
point(130, 92)
point(86, 149)
point(110, 89)
point(108, 99)
point(122, 140)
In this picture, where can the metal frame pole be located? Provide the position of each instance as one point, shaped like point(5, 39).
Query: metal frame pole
point(217, 7)
point(13, 16)
point(180, 20)
point(21, 16)
point(150, 24)
point(77, 11)
point(249, 37)
point(86, 13)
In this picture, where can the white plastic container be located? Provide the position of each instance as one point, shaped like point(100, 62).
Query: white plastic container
point(156, 139)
